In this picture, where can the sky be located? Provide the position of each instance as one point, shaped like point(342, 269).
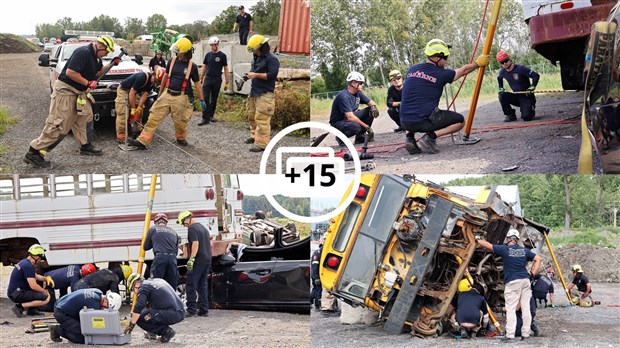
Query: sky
point(22, 17)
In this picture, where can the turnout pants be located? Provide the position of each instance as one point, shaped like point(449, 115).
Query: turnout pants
point(158, 321)
point(69, 326)
point(179, 108)
point(583, 302)
point(526, 103)
point(165, 267)
point(210, 91)
point(328, 301)
point(260, 110)
point(65, 114)
point(518, 292)
point(121, 103)
point(197, 285)
point(353, 129)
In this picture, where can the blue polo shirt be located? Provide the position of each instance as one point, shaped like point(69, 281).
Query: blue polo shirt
point(65, 277)
point(19, 276)
point(83, 60)
point(515, 258)
point(140, 82)
point(346, 102)
point(72, 303)
point(422, 90)
point(518, 78)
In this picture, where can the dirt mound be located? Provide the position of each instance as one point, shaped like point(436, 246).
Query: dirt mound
point(10, 43)
point(599, 264)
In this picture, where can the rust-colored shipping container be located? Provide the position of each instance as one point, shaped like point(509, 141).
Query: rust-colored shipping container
point(294, 32)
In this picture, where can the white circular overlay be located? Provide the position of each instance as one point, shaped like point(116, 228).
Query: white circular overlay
point(356, 162)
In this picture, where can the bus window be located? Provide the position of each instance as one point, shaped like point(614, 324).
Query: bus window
point(234, 180)
point(386, 205)
point(226, 180)
point(65, 186)
point(6, 188)
point(349, 218)
point(33, 187)
point(359, 271)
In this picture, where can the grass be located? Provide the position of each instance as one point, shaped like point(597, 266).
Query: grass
point(302, 228)
point(587, 237)
point(321, 108)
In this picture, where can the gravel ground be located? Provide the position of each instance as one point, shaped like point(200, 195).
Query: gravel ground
point(214, 148)
point(548, 149)
point(598, 326)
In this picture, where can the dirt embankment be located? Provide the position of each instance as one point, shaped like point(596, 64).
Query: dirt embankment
point(10, 43)
point(599, 264)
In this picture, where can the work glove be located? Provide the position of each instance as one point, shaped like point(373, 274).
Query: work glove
point(374, 111)
point(190, 263)
point(370, 131)
point(49, 281)
point(203, 104)
point(138, 112)
point(129, 328)
point(530, 90)
point(93, 84)
point(482, 60)
point(226, 86)
point(502, 90)
point(552, 305)
point(116, 61)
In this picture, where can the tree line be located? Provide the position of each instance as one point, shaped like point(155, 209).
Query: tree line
point(568, 201)
point(266, 14)
point(299, 206)
point(376, 36)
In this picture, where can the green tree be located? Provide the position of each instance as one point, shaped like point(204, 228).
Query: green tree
point(66, 23)
point(318, 85)
point(46, 31)
point(198, 30)
point(266, 17)
point(223, 23)
point(156, 22)
point(133, 28)
point(104, 23)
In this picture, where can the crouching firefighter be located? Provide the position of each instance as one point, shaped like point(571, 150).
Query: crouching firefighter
point(175, 96)
point(132, 94)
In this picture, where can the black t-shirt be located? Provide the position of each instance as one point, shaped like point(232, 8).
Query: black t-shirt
point(84, 61)
point(264, 64)
point(197, 232)
point(162, 239)
point(469, 305)
point(140, 82)
point(104, 280)
point(244, 21)
point(394, 95)
point(157, 61)
point(582, 282)
point(158, 294)
point(177, 75)
point(215, 62)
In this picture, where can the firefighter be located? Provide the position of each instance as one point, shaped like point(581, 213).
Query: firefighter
point(198, 265)
point(70, 108)
point(164, 241)
point(394, 96)
point(23, 288)
point(157, 307)
point(245, 22)
point(423, 87)
point(517, 289)
point(469, 305)
point(104, 279)
point(133, 93)
point(581, 295)
point(67, 312)
point(65, 278)
point(175, 96)
point(212, 68)
point(345, 115)
point(541, 286)
point(315, 296)
point(157, 61)
point(261, 103)
point(518, 77)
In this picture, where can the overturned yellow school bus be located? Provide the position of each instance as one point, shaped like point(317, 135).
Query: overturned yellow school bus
point(402, 246)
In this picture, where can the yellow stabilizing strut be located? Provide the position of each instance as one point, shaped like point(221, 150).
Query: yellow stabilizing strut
point(557, 266)
point(471, 282)
point(486, 49)
point(147, 224)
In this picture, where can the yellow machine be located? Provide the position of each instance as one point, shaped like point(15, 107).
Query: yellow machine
point(402, 246)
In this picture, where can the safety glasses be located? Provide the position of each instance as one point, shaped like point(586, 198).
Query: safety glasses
point(397, 78)
point(504, 61)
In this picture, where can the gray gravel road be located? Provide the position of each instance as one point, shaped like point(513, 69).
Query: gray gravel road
point(536, 149)
point(598, 326)
point(24, 89)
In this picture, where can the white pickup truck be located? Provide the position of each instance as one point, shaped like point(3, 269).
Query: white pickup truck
point(105, 93)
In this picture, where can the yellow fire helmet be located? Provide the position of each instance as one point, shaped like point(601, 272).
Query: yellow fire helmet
point(183, 215)
point(464, 285)
point(126, 271)
point(36, 250)
point(437, 48)
point(255, 42)
point(107, 42)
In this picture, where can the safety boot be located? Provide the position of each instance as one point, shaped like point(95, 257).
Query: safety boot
point(89, 150)
point(35, 158)
point(182, 142)
point(255, 148)
point(204, 122)
point(249, 141)
point(411, 146)
point(19, 312)
point(510, 118)
point(428, 144)
point(54, 335)
point(135, 143)
point(167, 336)
point(150, 335)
